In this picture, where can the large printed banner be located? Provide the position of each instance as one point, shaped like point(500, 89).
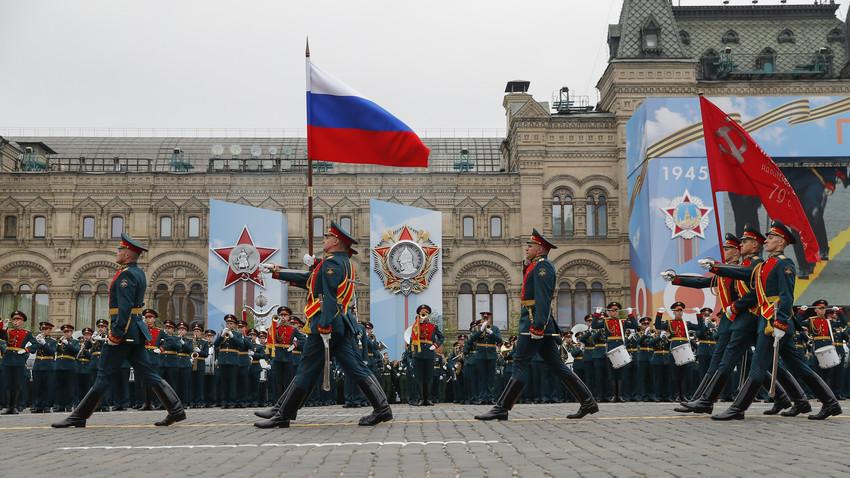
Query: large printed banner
point(672, 216)
point(242, 237)
point(406, 246)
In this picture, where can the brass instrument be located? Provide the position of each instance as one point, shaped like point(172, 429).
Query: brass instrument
point(227, 333)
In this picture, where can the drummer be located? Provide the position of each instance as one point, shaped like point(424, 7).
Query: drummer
point(678, 330)
point(821, 332)
point(615, 329)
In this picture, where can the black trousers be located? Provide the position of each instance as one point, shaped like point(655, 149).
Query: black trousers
point(227, 376)
point(65, 388)
point(486, 375)
point(423, 369)
point(42, 388)
point(527, 347)
point(197, 387)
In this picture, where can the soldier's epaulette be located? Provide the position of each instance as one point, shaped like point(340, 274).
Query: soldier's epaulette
point(781, 257)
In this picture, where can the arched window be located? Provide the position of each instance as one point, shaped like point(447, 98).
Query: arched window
point(24, 301)
point(766, 61)
point(684, 37)
point(318, 227)
point(465, 307)
point(41, 311)
point(88, 227)
point(117, 226)
point(85, 307)
point(194, 226)
point(179, 304)
point(500, 306)
point(495, 226)
point(482, 300)
point(7, 300)
point(10, 227)
point(562, 214)
point(597, 214)
point(836, 35)
point(597, 295)
point(198, 305)
point(708, 64)
point(731, 36)
point(39, 227)
point(566, 315)
point(581, 300)
point(650, 35)
point(786, 36)
point(101, 303)
point(468, 226)
point(165, 227)
point(345, 223)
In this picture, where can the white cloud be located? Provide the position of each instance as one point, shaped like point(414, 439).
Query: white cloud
point(666, 122)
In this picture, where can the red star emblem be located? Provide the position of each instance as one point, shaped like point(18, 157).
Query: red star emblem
point(687, 217)
point(243, 258)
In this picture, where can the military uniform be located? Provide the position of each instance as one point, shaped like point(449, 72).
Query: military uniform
point(486, 342)
point(426, 337)
point(538, 333)
point(588, 342)
point(227, 355)
point(644, 390)
point(200, 352)
point(96, 351)
point(19, 344)
point(65, 369)
point(127, 335)
point(283, 362)
point(470, 366)
point(42, 371)
point(330, 296)
point(153, 349)
point(613, 329)
point(84, 372)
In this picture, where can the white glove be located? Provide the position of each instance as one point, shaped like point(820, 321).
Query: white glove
point(197, 349)
point(290, 348)
point(432, 348)
point(836, 308)
point(661, 310)
point(309, 260)
point(64, 341)
point(22, 351)
point(647, 331)
point(157, 351)
point(777, 335)
point(668, 276)
point(250, 353)
point(266, 268)
point(804, 308)
point(599, 310)
point(264, 364)
point(41, 340)
point(326, 338)
point(182, 342)
point(629, 311)
point(490, 331)
point(706, 264)
point(664, 333)
point(728, 311)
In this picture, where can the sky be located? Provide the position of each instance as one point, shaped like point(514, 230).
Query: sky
point(440, 66)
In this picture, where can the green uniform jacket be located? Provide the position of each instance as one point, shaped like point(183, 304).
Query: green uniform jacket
point(538, 287)
point(44, 355)
point(487, 343)
point(126, 298)
point(66, 355)
point(227, 350)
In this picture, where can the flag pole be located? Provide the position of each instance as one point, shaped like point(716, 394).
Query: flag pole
point(714, 200)
point(309, 161)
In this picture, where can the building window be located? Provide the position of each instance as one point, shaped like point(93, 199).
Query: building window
point(565, 313)
point(597, 295)
point(731, 36)
point(500, 306)
point(574, 303)
point(194, 226)
point(468, 226)
point(708, 64)
point(562, 214)
point(165, 227)
point(178, 304)
point(495, 226)
point(836, 35)
point(7, 300)
point(597, 214)
point(88, 227)
point(85, 307)
point(345, 224)
point(35, 305)
point(684, 37)
point(786, 36)
point(41, 309)
point(39, 227)
point(318, 227)
point(651, 38)
point(581, 300)
point(766, 61)
point(116, 227)
point(465, 307)
point(10, 227)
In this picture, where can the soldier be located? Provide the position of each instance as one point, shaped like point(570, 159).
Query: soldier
point(839, 325)
point(456, 359)
point(660, 365)
point(257, 352)
point(125, 341)
point(536, 329)
point(266, 389)
point(227, 346)
point(614, 329)
point(184, 362)
point(487, 338)
point(706, 333)
point(386, 374)
point(244, 368)
point(351, 396)
point(153, 347)
point(65, 367)
point(283, 363)
point(297, 343)
point(84, 372)
point(774, 283)
point(19, 344)
point(643, 384)
point(211, 392)
point(678, 333)
point(424, 340)
point(42, 370)
point(470, 366)
point(200, 352)
point(588, 345)
point(98, 340)
point(330, 295)
point(630, 371)
point(169, 362)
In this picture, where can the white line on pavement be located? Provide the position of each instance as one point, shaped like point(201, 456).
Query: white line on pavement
point(285, 445)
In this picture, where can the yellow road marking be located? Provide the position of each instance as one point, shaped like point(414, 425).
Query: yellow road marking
point(836, 245)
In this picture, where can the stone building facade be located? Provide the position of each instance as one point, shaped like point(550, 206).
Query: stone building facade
point(560, 169)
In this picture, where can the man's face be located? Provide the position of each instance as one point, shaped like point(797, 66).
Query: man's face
point(87, 336)
point(731, 253)
point(46, 330)
point(677, 312)
point(706, 314)
point(230, 324)
point(285, 315)
point(533, 250)
point(197, 333)
point(775, 243)
point(264, 339)
point(169, 330)
point(820, 310)
point(330, 243)
point(149, 319)
point(614, 311)
point(125, 256)
point(101, 329)
point(17, 322)
point(210, 337)
point(749, 246)
point(67, 333)
point(181, 332)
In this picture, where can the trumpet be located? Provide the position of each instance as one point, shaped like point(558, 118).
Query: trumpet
point(195, 356)
point(227, 333)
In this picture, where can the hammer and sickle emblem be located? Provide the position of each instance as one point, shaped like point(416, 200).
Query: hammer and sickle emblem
point(723, 133)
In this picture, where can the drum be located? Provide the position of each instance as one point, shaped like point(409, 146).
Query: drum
point(619, 357)
point(683, 354)
point(827, 357)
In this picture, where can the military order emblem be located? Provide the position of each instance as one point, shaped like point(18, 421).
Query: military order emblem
point(243, 259)
point(687, 217)
point(406, 260)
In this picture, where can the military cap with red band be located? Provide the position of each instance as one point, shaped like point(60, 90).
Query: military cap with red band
point(752, 233)
point(732, 241)
point(336, 231)
point(128, 242)
point(781, 230)
point(537, 238)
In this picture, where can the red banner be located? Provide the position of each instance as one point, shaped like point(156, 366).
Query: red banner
point(737, 164)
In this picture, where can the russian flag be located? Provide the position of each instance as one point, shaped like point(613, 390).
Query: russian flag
point(344, 126)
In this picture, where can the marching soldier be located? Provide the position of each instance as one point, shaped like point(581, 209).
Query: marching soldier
point(588, 344)
point(774, 284)
point(200, 352)
point(643, 384)
point(257, 352)
point(424, 340)
point(227, 346)
point(330, 295)
point(351, 396)
point(42, 370)
point(630, 371)
point(65, 367)
point(266, 390)
point(19, 344)
point(125, 341)
point(470, 367)
point(487, 338)
point(706, 334)
point(660, 365)
point(678, 332)
point(536, 329)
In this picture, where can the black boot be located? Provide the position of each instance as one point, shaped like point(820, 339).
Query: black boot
point(582, 394)
point(291, 400)
point(381, 411)
point(426, 394)
point(822, 391)
point(795, 392)
point(148, 398)
point(780, 402)
point(827, 410)
point(742, 402)
point(84, 410)
point(705, 402)
point(171, 401)
point(273, 410)
point(703, 384)
point(797, 408)
point(617, 398)
point(12, 409)
point(513, 390)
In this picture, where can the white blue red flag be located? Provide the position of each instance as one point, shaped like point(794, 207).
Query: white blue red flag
point(343, 126)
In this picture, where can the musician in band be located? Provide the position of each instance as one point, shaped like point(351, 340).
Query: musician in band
point(487, 339)
point(42, 370)
point(424, 340)
point(613, 328)
point(227, 346)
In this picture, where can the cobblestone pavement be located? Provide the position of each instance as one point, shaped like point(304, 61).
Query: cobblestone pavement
point(633, 439)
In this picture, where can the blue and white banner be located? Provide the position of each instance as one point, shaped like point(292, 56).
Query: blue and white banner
point(242, 237)
point(406, 245)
